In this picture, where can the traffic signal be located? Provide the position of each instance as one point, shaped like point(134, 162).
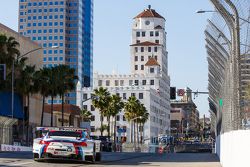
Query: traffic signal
point(2, 72)
point(172, 93)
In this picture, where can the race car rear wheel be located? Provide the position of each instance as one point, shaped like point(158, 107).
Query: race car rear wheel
point(35, 156)
point(98, 156)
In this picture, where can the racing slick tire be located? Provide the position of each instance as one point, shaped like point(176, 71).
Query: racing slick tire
point(36, 156)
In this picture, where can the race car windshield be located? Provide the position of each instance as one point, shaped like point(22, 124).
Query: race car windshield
point(65, 134)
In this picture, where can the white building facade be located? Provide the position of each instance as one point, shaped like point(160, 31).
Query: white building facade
point(148, 81)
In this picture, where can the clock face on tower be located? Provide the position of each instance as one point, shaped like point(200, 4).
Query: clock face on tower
point(147, 22)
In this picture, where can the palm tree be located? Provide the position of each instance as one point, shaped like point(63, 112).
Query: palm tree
point(8, 52)
point(102, 128)
point(131, 109)
point(85, 115)
point(144, 115)
point(102, 102)
point(53, 89)
point(67, 78)
point(115, 106)
point(42, 83)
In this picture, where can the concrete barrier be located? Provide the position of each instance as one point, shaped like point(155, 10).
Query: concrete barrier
point(5, 147)
point(233, 148)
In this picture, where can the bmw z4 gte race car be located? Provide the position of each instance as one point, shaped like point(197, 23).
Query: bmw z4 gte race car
point(65, 144)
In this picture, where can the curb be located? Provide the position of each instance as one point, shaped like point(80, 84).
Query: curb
point(133, 157)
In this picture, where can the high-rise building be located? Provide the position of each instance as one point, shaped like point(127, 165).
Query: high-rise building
point(67, 24)
point(148, 81)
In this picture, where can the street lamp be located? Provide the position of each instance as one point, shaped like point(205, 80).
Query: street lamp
point(13, 70)
point(214, 11)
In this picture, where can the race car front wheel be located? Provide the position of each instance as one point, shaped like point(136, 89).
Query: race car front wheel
point(35, 156)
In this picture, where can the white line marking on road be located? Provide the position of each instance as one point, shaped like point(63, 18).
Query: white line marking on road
point(24, 163)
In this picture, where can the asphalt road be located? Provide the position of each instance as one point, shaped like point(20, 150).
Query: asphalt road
point(24, 159)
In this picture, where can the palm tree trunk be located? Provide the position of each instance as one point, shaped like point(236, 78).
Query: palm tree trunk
point(131, 132)
point(108, 117)
point(41, 124)
point(62, 110)
point(138, 141)
point(115, 135)
point(141, 133)
point(101, 124)
point(51, 112)
point(134, 133)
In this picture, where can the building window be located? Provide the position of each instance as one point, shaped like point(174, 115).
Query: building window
point(149, 49)
point(137, 41)
point(142, 49)
point(132, 94)
point(116, 83)
point(140, 95)
point(136, 82)
point(85, 107)
point(92, 128)
point(118, 118)
point(121, 82)
point(142, 58)
point(151, 33)
point(156, 41)
point(118, 94)
point(155, 57)
point(136, 67)
point(136, 58)
point(142, 67)
point(137, 34)
point(99, 82)
point(124, 118)
point(130, 82)
point(107, 82)
point(92, 108)
point(155, 49)
point(85, 96)
point(136, 49)
point(92, 118)
point(124, 96)
point(144, 82)
point(152, 82)
point(143, 33)
point(152, 70)
point(157, 33)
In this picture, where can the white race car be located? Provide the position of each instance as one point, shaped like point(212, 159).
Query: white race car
point(65, 144)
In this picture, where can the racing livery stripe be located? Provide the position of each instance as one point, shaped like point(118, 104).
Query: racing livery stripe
point(42, 150)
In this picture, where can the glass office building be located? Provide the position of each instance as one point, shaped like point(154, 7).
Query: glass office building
point(67, 24)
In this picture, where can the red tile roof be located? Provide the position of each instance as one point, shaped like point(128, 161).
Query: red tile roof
point(152, 62)
point(146, 43)
point(149, 13)
point(68, 108)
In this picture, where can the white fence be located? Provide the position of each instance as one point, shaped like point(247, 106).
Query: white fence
point(233, 148)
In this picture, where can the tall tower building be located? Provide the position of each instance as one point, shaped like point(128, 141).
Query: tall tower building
point(67, 24)
point(148, 81)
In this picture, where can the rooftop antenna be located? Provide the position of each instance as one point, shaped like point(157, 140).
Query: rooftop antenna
point(149, 6)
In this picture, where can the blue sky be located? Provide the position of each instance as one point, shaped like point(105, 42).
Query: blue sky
point(112, 37)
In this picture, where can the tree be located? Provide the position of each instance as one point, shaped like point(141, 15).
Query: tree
point(8, 53)
point(115, 106)
point(131, 109)
point(42, 83)
point(53, 89)
point(102, 102)
point(67, 82)
point(144, 115)
point(85, 115)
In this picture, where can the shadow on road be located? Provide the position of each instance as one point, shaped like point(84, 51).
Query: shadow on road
point(171, 157)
